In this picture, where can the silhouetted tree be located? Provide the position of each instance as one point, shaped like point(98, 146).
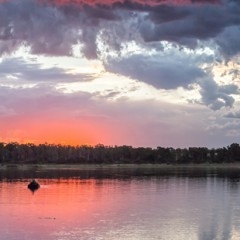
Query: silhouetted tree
point(50, 153)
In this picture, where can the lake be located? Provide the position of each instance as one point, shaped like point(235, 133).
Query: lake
point(120, 204)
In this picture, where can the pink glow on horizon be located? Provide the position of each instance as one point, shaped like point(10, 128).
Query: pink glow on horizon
point(54, 131)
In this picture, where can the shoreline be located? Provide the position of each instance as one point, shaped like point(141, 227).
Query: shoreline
point(122, 166)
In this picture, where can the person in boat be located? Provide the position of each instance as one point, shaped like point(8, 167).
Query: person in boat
point(33, 185)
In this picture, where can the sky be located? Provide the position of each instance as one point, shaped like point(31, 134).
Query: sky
point(117, 72)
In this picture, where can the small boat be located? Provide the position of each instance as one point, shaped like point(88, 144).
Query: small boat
point(33, 185)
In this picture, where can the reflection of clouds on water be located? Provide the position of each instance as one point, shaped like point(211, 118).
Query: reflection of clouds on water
point(196, 209)
point(218, 220)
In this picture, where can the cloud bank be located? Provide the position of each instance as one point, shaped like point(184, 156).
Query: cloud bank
point(168, 44)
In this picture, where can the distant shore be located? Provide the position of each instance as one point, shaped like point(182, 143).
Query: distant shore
point(123, 166)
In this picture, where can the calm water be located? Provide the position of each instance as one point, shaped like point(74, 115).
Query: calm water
point(120, 204)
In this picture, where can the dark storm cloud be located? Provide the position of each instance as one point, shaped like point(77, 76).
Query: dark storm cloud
point(51, 28)
point(189, 23)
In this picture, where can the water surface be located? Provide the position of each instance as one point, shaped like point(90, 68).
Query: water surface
point(130, 204)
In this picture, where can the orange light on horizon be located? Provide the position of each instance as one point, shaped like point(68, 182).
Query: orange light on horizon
point(73, 132)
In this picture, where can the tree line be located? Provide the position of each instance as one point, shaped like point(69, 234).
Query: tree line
point(49, 153)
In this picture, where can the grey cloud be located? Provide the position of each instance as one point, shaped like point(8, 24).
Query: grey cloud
point(50, 29)
point(34, 73)
point(216, 96)
point(229, 127)
point(160, 71)
point(235, 114)
point(90, 48)
point(170, 71)
point(229, 41)
point(43, 28)
point(189, 22)
point(8, 46)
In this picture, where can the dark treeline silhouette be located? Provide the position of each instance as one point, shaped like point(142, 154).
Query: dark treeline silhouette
point(49, 153)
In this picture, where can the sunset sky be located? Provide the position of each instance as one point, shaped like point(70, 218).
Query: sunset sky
point(116, 72)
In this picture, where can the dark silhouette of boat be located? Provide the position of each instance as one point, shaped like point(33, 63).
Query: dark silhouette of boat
point(33, 185)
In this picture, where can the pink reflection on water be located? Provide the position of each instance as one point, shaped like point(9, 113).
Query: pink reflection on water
point(166, 208)
point(58, 205)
